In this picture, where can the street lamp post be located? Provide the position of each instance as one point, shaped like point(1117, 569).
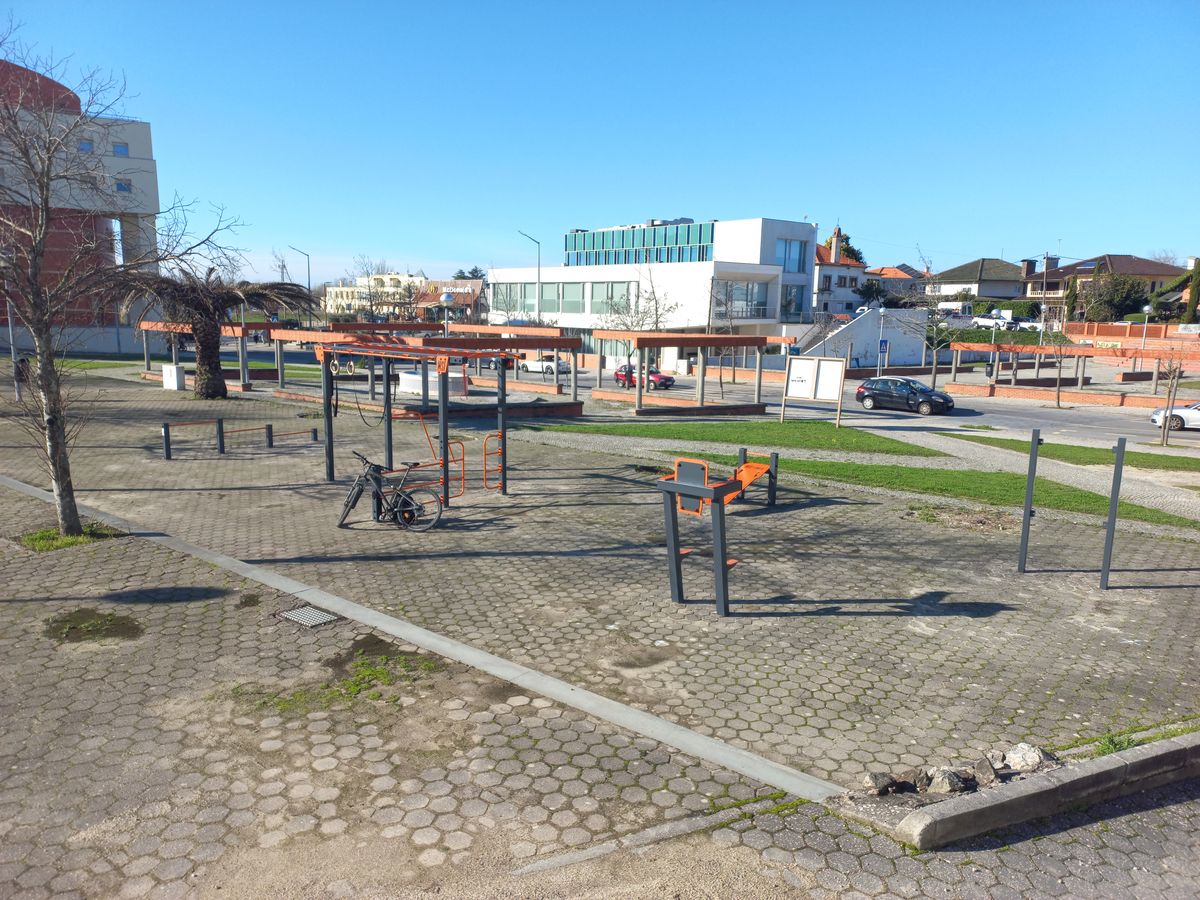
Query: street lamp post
point(308, 273)
point(1145, 325)
point(537, 291)
point(446, 302)
point(879, 347)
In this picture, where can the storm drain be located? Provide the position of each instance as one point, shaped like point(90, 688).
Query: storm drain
point(309, 616)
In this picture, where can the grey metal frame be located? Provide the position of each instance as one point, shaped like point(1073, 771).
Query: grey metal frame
point(715, 495)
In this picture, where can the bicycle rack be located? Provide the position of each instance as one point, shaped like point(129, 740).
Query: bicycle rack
point(498, 470)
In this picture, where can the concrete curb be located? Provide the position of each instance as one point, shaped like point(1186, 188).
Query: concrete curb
point(712, 750)
point(1079, 784)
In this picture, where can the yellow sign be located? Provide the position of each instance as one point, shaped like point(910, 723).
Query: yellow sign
point(443, 365)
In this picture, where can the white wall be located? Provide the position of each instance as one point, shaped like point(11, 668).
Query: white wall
point(978, 288)
point(903, 329)
point(102, 339)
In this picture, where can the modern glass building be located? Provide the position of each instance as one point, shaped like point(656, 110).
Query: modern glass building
point(640, 244)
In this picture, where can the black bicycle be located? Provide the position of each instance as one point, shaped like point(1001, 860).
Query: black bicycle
point(417, 509)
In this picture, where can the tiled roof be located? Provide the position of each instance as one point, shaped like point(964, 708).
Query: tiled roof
point(823, 254)
point(891, 272)
point(1111, 264)
point(984, 269)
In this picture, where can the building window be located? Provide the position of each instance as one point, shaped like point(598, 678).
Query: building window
point(120, 149)
point(841, 281)
point(86, 146)
point(853, 282)
point(549, 302)
point(740, 299)
point(826, 282)
point(793, 302)
point(572, 297)
point(124, 186)
point(791, 255)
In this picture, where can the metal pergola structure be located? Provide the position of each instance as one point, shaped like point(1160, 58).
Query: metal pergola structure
point(388, 354)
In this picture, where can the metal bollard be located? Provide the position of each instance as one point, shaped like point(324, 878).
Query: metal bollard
point(269, 432)
point(166, 433)
point(314, 435)
point(221, 436)
point(1114, 502)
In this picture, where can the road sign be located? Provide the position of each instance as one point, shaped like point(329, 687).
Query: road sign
point(883, 345)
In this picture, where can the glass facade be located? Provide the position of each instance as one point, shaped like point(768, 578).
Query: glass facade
point(740, 299)
point(792, 255)
point(639, 245)
point(794, 306)
point(596, 297)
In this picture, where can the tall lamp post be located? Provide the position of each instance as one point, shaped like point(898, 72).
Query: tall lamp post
point(537, 291)
point(446, 302)
point(308, 272)
point(1145, 325)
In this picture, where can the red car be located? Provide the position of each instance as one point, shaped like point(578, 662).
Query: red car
point(655, 380)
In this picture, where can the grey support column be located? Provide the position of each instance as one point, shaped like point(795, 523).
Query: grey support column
point(388, 456)
point(1114, 500)
point(1082, 371)
point(502, 423)
point(574, 376)
point(599, 363)
point(146, 348)
point(639, 377)
point(444, 433)
point(327, 417)
point(174, 349)
point(370, 378)
point(243, 361)
point(758, 369)
point(1154, 377)
point(674, 560)
point(424, 385)
point(700, 376)
point(280, 376)
point(955, 355)
point(720, 557)
point(1035, 441)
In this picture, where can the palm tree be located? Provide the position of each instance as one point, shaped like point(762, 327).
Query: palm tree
point(204, 303)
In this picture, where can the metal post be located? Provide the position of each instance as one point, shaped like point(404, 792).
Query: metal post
point(1114, 501)
point(146, 348)
point(674, 560)
point(639, 376)
point(166, 433)
point(501, 424)
point(371, 378)
point(327, 416)
point(599, 348)
point(773, 479)
point(1154, 378)
point(879, 347)
point(387, 413)
point(314, 436)
point(243, 360)
point(444, 433)
point(954, 358)
point(924, 350)
point(220, 436)
point(1078, 383)
point(1037, 366)
point(700, 376)
point(280, 375)
point(720, 558)
point(269, 434)
point(555, 362)
point(574, 376)
point(758, 369)
point(424, 385)
point(174, 349)
point(1035, 441)
point(1082, 371)
point(741, 461)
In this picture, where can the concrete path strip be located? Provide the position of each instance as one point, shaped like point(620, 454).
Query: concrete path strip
point(645, 724)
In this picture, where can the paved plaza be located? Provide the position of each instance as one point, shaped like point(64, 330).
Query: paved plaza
point(215, 749)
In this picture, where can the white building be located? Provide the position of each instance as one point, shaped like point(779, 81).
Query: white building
point(837, 278)
point(751, 276)
point(381, 293)
point(986, 277)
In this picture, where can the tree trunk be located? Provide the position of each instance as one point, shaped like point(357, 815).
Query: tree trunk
point(932, 368)
point(54, 433)
point(210, 384)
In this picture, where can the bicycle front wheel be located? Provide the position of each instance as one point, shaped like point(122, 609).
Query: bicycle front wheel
point(418, 510)
point(351, 500)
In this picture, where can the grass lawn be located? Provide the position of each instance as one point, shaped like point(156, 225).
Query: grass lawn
point(1087, 456)
point(1191, 385)
point(992, 488)
point(800, 435)
point(50, 539)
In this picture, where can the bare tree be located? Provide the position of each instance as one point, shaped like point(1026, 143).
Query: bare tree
point(1167, 257)
point(1170, 367)
point(376, 295)
point(62, 262)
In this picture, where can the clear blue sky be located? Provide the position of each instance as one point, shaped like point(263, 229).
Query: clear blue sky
point(428, 133)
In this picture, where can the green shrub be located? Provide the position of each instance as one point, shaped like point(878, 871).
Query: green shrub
point(1026, 308)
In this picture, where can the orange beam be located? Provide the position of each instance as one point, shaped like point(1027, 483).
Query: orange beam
point(535, 330)
point(312, 337)
point(486, 343)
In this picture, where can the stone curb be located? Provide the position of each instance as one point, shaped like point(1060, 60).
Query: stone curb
point(1079, 784)
point(713, 750)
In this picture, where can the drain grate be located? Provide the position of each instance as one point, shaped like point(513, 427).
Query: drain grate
point(309, 616)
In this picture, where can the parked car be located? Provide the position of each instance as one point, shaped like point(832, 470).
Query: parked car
point(491, 363)
point(1181, 417)
point(545, 365)
point(902, 393)
point(990, 321)
point(1025, 323)
point(654, 380)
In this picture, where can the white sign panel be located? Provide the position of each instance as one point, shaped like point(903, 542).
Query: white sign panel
point(815, 378)
point(818, 378)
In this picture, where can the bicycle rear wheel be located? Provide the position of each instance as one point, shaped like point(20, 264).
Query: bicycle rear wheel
point(417, 510)
point(351, 500)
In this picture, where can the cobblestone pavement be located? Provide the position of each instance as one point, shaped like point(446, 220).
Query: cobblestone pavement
point(203, 754)
point(868, 634)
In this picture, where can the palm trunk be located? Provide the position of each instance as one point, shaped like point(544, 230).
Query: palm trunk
point(54, 433)
point(210, 384)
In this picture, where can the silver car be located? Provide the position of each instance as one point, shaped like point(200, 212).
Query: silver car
point(1181, 417)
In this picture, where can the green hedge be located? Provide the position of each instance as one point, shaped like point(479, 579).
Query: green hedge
point(1028, 308)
